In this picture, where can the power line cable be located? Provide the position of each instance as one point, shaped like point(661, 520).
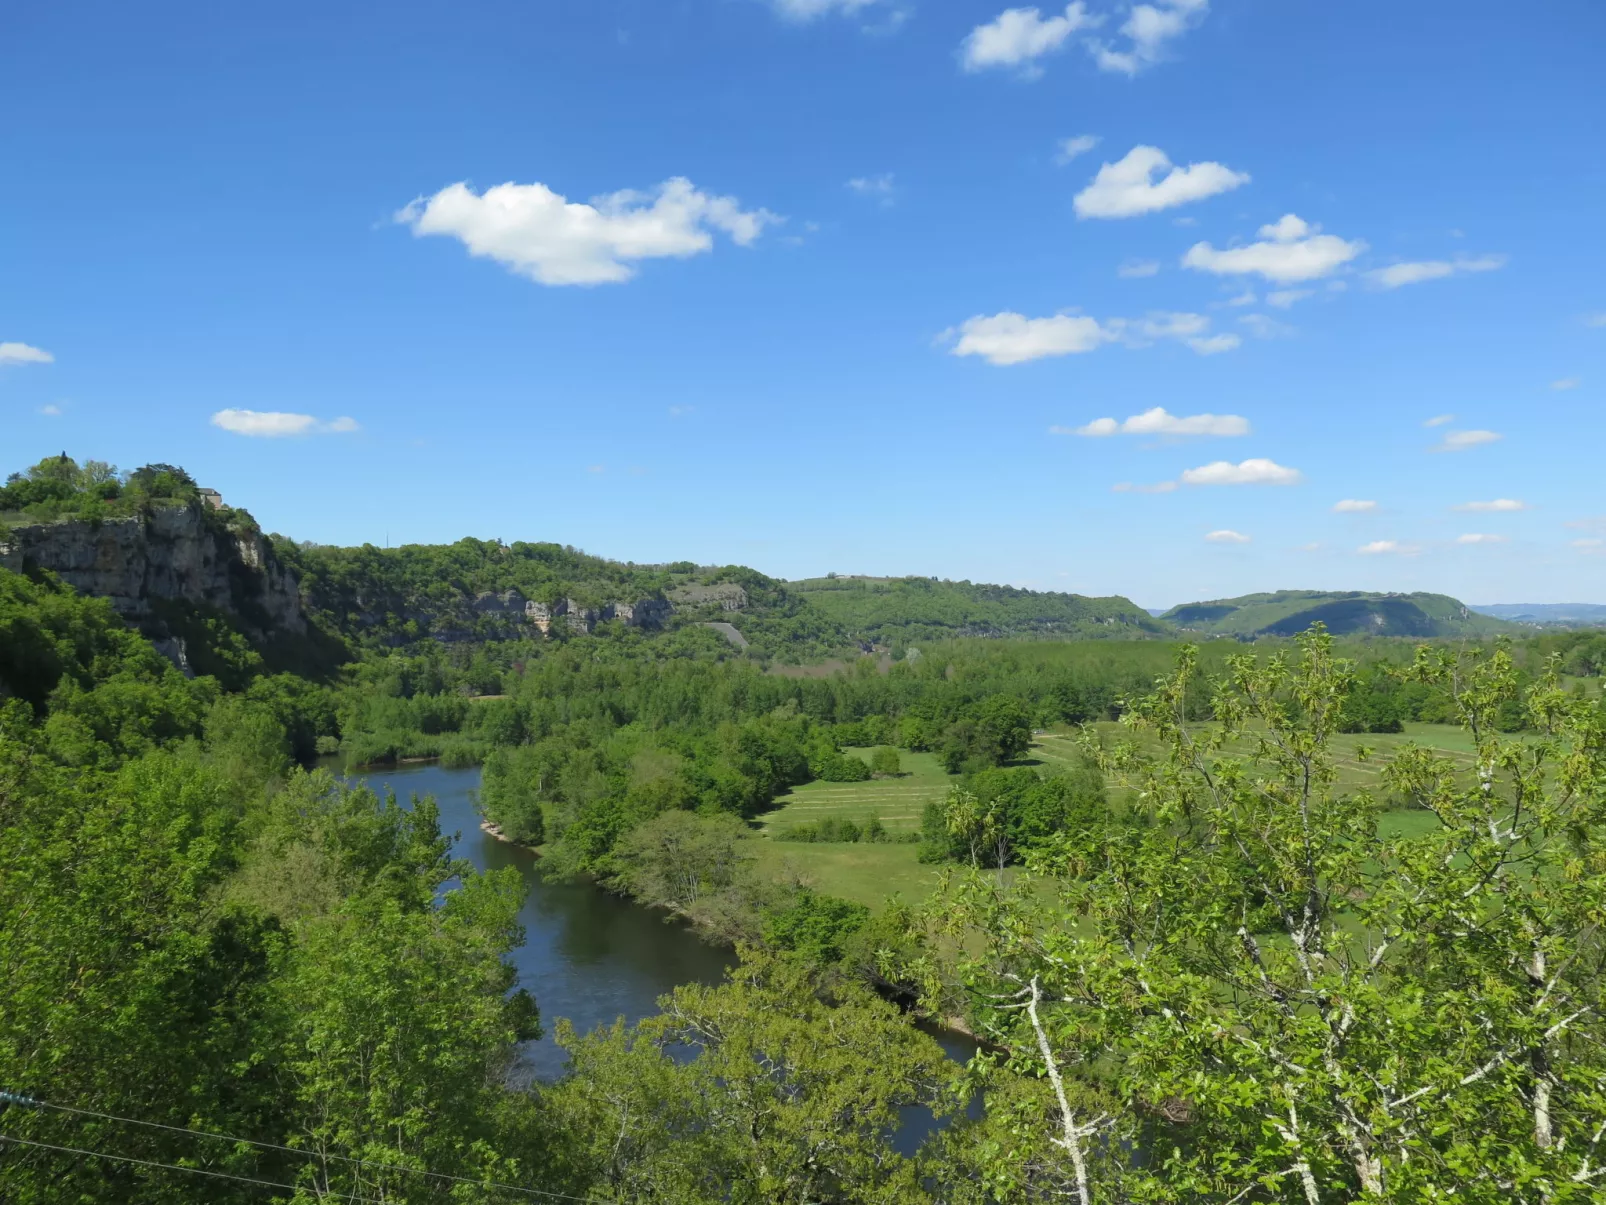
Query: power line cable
point(194, 1171)
point(15, 1098)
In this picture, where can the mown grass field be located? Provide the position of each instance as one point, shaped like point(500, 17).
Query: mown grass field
point(870, 874)
point(896, 801)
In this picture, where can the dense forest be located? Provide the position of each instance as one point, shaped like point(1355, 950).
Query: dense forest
point(1208, 961)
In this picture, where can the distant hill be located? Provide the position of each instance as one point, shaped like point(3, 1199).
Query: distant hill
point(1346, 613)
point(901, 610)
point(1567, 615)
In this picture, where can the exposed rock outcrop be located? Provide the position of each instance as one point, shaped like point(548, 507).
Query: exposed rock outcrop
point(177, 554)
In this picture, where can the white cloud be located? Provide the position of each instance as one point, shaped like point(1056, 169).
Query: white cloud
point(1354, 506)
point(1495, 505)
point(536, 233)
point(1480, 537)
point(1127, 188)
point(50, 410)
point(808, 10)
point(1227, 537)
point(1257, 471)
point(1460, 441)
point(1589, 543)
point(879, 187)
point(1382, 547)
point(1136, 268)
point(1283, 299)
point(1070, 148)
point(1439, 420)
point(1159, 421)
point(1290, 251)
point(1215, 344)
point(1159, 487)
point(1148, 28)
point(1567, 383)
point(276, 424)
point(1396, 275)
point(1262, 327)
point(22, 353)
point(1011, 338)
point(1247, 297)
point(1017, 37)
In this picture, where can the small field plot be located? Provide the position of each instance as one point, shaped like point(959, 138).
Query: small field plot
point(865, 873)
point(896, 802)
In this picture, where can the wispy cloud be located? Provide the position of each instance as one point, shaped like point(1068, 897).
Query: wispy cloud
point(1129, 187)
point(1010, 338)
point(279, 424)
point(880, 187)
point(1387, 547)
point(1149, 29)
point(1494, 505)
point(1226, 536)
point(1397, 275)
point(1481, 537)
point(23, 353)
point(1135, 269)
point(1567, 383)
point(1595, 319)
point(1462, 441)
point(1159, 421)
point(50, 410)
point(1068, 149)
point(1159, 487)
point(1354, 506)
point(1439, 420)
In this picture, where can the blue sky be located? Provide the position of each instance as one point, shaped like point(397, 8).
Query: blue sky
point(836, 285)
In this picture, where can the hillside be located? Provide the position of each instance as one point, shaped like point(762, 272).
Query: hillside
point(898, 611)
point(1563, 615)
point(1346, 613)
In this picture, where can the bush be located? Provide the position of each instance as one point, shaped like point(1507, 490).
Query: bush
point(817, 927)
point(842, 768)
point(885, 761)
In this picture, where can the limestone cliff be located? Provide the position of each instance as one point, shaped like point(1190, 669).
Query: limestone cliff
point(178, 554)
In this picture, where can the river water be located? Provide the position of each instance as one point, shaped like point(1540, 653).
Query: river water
point(590, 955)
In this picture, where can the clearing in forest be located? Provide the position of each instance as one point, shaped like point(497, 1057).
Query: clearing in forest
point(896, 802)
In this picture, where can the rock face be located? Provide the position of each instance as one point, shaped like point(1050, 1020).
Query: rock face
point(171, 555)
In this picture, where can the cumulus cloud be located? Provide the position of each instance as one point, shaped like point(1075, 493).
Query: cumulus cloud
point(277, 424)
point(880, 187)
point(23, 353)
point(1018, 37)
point(1567, 383)
point(1128, 187)
point(1257, 471)
point(1396, 275)
point(1290, 250)
point(1354, 506)
point(1383, 547)
point(1495, 505)
point(1480, 537)
point(1461, 441)
point(1010, 338)
point(1148, 28)
point(1137, 268)
point(1438, 420)
point(1071, 148)
point(537, 233)
point(1226, 536)
point(1159, 421)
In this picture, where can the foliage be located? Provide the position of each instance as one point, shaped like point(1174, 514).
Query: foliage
point(1273, 1001)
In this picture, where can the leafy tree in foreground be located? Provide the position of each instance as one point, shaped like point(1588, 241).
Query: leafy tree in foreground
point(1257, 996)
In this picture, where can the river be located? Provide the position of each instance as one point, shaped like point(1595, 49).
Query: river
point(588, 955)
